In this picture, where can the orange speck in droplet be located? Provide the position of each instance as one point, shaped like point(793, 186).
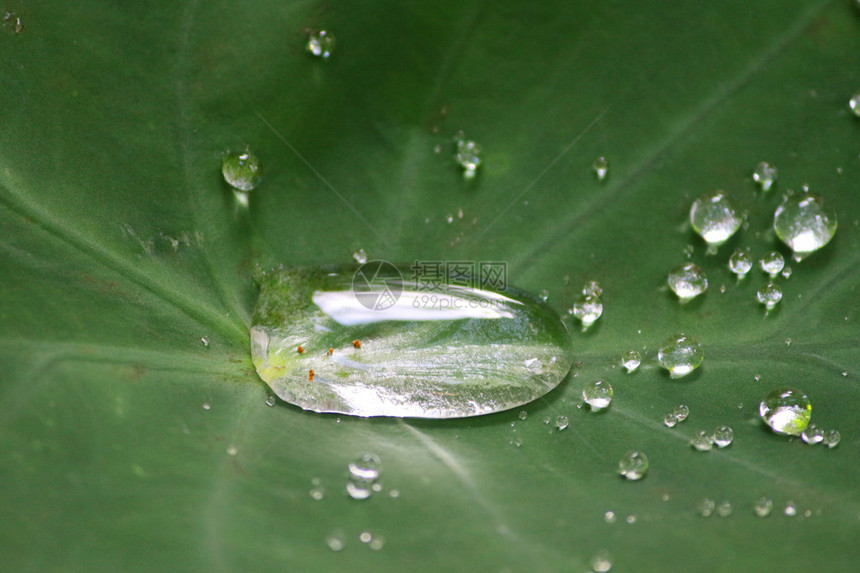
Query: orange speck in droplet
point(301, 350)
point(356, 343)
point(310, 375)
point(330, 351)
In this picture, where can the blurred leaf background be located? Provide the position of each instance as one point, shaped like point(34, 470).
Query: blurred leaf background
point(128, 444)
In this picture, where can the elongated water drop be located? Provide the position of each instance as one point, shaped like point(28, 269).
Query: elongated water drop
point(687, 281)
point(804, 223)
point(786, 411)
point(680, 355)
point(320, 43)
point(715, 218)
point(633, 465)
point(597, 394)
point(772, 263)
point(769, 295)
point(601, 168)
point(380, 344)
point(241, 170)
point(740, 263)
point(765, 174)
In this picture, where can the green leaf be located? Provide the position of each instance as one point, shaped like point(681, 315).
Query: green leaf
point(123, 247)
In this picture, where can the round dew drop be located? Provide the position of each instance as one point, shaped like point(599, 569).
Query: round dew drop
point(769, 295)
point(633, 465)
point(366, 466)
point(702, 441)
point(723, 436)
point(740, 263)
point(601, 168)
point(812, 434)
point(562, 422)
point(765, 174)
point(598, 395)
point(854, 104)
point(831, 438)
point(592, 288)
point(688, 281)
point(772, 263)
point(804, 223)
point(588, 308)
point(241, 170)
point(715, 218)
point(786, 411)
point(631, 360)
point(680, 355)
point(320, 43)
point(681, 412)
point(670, 420)
point(763, 507)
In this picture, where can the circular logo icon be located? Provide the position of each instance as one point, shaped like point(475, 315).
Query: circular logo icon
point(377, 285)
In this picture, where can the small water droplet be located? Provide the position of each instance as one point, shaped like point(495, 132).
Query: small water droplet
point(592, 288)
point(812, 434)
point(232, 450)
point(602, 562)
point(702, 441)
point(740, 263)
point(631, 360)
point(395, 493)
point(543, 295)
point(335, 540)
point(786, 411)
point(13, 22)
point(772, 263)
point(724, 509)
point(271, 400)
point(681, 412)
point(366, 466)
point(206, 406)
point(320, 43)
point(317, 493)
point(790, 509)
point(804, 223)
point(633, 465)
point(609, 517)
point(376, 543)
point(587, 309)
point(831, 438)
point(706, 507)
point(757, 377)
point(359, 488)
point(561, 422)
point(205, 341)
point(517, 441)
point(670, 420)
point(765, 174)
point(523, 415)
point(365, 537)
point(788, 342)
point(597, 394)
point(631, 519)
point(601, 168)
point(680, 355)
point(688, 281)
point(715, 218)
point(769, 295)
point(241, 170)
point(763, 506)
point(786, 272)
point(844, 373)
point(723, 436)
point(360, 256)
point(854, 104)
point(468, 155)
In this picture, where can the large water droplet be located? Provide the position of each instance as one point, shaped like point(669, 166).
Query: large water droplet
point(772, 263)
point(740, 263)
point(320, 43)
point(688, 281)
point(597, 394)
point(804, 223)
point(587, 309)
point(680, 355)
point(765, 174)
point(633, 465)
point(468, 155)
point(786, 411)
point(382, 345)
point(601, 168)
point(715, 218)
point(241, 170)
point(769, 295)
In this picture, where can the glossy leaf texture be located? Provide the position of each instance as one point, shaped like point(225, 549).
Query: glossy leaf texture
point(129, 444)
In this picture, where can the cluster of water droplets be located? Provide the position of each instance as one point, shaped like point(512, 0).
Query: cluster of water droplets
point(704, 441)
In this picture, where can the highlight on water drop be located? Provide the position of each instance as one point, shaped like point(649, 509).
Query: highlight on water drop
point(805, 223)
point(241, 170)
point(786, 411)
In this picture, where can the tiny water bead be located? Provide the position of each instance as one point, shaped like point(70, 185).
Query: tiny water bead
point(241, 170)
point(633, 465)
point(609, 517)
point(804, 223)
point(715, 217)
point(688, 281)
point(812, 434)
point(854, 104)
point(320, 43)
point(680, 355)
point(631, 360)
point(468, 155)
point(831, 438)
point(588, 308)
point(271, 400)
point(786, 272)
point(592, 288)
point(335, 540)
point(562, 422)
point(523, 415)
point(790, 509)
point(723, 436)
point(740, 263)
point(765, 174)
point(702, 441)
point(769, 295)
point(772, 263)
point(763, 506)
point(597, 394)
point(786, 411)
point(601, 168)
